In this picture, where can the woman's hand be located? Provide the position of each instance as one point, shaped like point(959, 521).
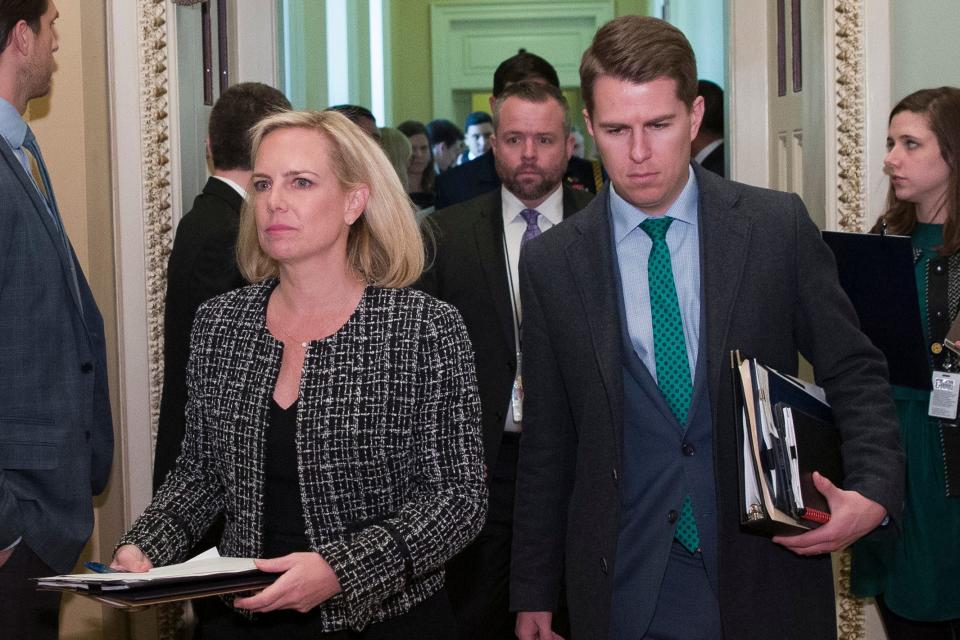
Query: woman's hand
point(307, 581)
point(130, 558)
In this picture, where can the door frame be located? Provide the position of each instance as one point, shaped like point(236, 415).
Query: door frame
point(856, 103)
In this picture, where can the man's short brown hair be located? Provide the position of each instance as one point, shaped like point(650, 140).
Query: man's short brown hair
point(639, 49)
point(532, 91)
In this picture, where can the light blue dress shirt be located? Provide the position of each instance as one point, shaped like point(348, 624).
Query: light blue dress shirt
point(13, 129)
point(633, 247)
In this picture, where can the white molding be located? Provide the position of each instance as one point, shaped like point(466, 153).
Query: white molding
point(128, 221)
point(253, 42)
point(512, 24)
point(748, 121)
point(879, 101)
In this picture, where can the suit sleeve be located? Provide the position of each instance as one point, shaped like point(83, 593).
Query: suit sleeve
point(449, 504)
point(429, 281)
point(546, 467)
point(850, 369)
point(10, 525)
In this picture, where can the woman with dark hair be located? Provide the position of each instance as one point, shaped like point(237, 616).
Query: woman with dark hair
point(914, 576)
point(420, 172)
point(332, 412)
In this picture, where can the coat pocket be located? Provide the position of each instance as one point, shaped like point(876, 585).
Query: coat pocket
point(30, 443)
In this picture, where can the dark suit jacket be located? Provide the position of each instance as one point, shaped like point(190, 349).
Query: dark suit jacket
point(770, 289)
point(202, 265)
point(56, 434)
point(468, 180)
point(469, 271)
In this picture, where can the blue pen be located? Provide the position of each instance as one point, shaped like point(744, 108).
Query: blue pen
point(99, 567)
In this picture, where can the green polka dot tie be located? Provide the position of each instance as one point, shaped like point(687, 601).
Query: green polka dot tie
point(670, 352)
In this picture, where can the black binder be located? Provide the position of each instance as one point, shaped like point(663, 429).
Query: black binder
point(876, 272)
point(785, 432)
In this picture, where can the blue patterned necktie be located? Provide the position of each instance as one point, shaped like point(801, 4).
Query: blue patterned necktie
point(532, 230)
point(670, 352)
point(46, 190)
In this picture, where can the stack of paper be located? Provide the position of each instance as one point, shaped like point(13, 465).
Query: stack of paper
point(785, 432)
point(192, 579)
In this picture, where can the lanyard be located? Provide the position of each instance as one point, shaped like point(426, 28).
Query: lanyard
point(513, 291)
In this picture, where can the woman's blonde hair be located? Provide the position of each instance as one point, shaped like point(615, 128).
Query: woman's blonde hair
point(384, 245)
point(398, 150)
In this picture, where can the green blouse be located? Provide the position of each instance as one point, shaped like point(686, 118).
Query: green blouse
point(917, 572)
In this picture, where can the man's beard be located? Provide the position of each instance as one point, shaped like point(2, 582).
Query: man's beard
point(526, 189)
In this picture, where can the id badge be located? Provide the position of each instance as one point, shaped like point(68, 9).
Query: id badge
point(516, 397)
point(943, 398)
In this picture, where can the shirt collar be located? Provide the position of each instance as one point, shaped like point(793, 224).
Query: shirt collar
point(12, 126)
point(707, 150)
point(551, 208)
point(236, 187)
point(627, 217)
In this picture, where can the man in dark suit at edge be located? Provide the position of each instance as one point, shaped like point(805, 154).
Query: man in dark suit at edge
point(627, 484)
point(472, 178)
point(203, 263)
point(56, 432)
point(474, 267)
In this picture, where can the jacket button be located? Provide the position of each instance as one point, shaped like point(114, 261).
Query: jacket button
point(603, 565)
point(86, 367)
point(687, 449)
point(616, 476)
point(938, 268)
point(672, 516)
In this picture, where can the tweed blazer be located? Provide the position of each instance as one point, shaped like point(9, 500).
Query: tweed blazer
point(388, 447)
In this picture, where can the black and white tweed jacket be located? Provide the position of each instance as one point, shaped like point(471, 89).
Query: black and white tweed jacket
point(388, 447)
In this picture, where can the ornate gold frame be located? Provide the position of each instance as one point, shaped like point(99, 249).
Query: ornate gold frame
point(158, 217)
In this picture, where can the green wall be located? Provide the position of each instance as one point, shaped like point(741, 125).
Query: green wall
point(410, 52)
point(923, 45)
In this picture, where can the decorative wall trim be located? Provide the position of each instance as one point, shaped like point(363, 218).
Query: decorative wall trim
point(850, 114)
point(849, 171)
point(155, 158)
point(158, 220)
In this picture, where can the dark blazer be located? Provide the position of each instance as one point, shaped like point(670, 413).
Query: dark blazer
point(468, 270)
point(388, 449)
point(470, 179)
point(770, 289)
point(56, 434)
point(202, 265)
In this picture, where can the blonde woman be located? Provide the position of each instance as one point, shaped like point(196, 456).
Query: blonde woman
point(333, 413)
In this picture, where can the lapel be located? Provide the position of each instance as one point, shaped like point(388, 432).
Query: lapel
point(488, 236)
point(65, 253)
point(590, 257)
point(724, 249)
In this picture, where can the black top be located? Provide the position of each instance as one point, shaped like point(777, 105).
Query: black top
point(284, 529)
